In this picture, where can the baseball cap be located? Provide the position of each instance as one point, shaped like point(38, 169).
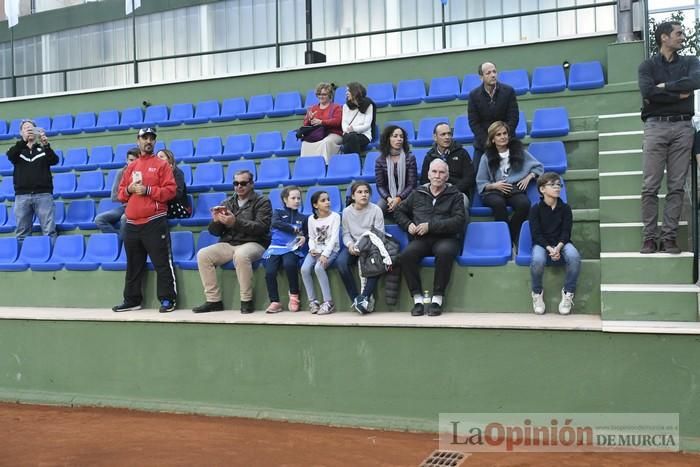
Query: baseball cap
point(148, 130)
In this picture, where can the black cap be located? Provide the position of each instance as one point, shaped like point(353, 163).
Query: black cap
point(148, 130)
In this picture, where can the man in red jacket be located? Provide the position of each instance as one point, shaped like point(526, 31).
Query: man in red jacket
point(146, 187)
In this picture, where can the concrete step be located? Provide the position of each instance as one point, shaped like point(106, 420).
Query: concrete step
point(620, 160)
point(624, 208)
point(649, 302)
point(627, 236)
point(620, 140)
point(619, 122)
point(624, 183)
point(636, 268)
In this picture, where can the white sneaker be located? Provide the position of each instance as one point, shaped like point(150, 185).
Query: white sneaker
point(567, 302)
point(538, 303)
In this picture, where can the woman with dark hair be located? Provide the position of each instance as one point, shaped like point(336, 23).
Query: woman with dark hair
point(178, 207)
point(504, 175)
point(395, 170)
point(327, 115)
point(359, 115)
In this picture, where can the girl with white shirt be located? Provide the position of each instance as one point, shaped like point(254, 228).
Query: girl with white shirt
point(324, 245)
point(359, 117)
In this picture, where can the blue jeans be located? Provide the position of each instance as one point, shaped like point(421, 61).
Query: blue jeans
point(569, 256)
point(108, 221)
point(344, 263)
point(311, 264)
point(40, 204)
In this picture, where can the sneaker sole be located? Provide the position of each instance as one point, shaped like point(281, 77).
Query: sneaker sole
point(133, 308)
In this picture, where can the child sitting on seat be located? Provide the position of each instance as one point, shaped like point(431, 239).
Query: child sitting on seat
point(550, 225)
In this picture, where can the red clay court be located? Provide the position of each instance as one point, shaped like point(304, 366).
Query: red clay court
point(62, 436)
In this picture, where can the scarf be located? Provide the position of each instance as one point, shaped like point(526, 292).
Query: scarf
point(394, 188)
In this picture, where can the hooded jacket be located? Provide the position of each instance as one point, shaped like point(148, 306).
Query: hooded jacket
point(157, 177)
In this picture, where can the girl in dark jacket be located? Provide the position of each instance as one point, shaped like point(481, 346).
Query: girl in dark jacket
point(395, 170)
point(178, 207)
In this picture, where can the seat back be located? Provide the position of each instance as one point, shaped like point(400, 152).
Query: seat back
point(68, 248)
point(208, 146)
point(35, 249)
point(517, 79)
point(82, 210)
point(333, 194)
point(102, 248)
point(182, 245)
point(548, 79)
point(182, 148)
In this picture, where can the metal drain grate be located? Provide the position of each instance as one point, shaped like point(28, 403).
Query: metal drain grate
point(440, 458)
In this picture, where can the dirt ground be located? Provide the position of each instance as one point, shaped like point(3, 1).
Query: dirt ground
point(33, 435)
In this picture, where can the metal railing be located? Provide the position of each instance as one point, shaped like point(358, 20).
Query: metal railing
point(277, 45)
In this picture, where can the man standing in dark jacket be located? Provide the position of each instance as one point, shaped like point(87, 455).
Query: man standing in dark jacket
point(32, 158)
point(461, 170)
point(434, 215)
point(491, 102)
point(243, 225)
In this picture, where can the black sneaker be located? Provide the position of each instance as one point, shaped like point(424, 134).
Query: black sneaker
point(247, 306)
point(648, 247)
point(166, 306)
point(126, 307)
point(207, 307)
point(417, 310)
point(434, 309)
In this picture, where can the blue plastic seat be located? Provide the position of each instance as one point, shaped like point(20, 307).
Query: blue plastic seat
point(486, 244)
point(186, 172)
point(204, 240)
point(368, 166)
point(3, 214)
point(118, 264)
point(382, 94)
point(521, 128)
point(231, 170)
point(398, 233)
point(266, 144)
point(469, 82)
point(586, 75)
point(107, 120)
point(7, 188)
point(342, 168)
point(273, 172)
point(550, 122)
point(79, 214)
point(308, 170)
point(311, 99)
point(105, 204)
point(101, 248)
point(119, 159)
point(9, 221)
point(443, 89)
point(258, 107)
point(231, 108)
point(64, 185)
point(77, 159)
point(236, 147)
point(63, 124)
point(275, 197)
point(178, 114)
point(92, 184)
point(201, 214)
point(182, 245)
point(44, 122)
point(410, 91)
point(548, 79)
point(183, 149)
point(286, 103)
point(102, 157)
point(478, 209)
point(419, 154)
point(85, 121)
point(34, 250)
point(551, 154)
point(208, 147)
point(206, 176)
point(292, 146)
point(425, 130)
point(4, 131)
point(58, 168)
point(15, 125)
point(408, 127)
point(533, 193)
point(68, 248)
point(524, 255)
point(155, 115)
point(9, 250)
point(131, 118)
point(462, 132)
point(339, 96)
point(517, 79)
point(6, 167)
point(206, 111)
point(333, 193)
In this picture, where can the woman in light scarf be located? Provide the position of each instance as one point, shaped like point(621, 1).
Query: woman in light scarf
point(395, 169)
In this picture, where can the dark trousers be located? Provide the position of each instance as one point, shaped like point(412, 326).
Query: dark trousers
point(153, 239)
point(499, 203)
point(344, 263)
point(354, 142)
point(290, 263)
point(445, 251)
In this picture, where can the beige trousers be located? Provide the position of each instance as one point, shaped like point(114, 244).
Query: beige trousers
point(220, 253)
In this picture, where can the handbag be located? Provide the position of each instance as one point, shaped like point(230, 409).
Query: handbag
point(311, 133)
point(178, 210)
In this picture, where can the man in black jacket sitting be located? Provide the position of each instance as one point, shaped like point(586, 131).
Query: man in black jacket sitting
point(434, 215)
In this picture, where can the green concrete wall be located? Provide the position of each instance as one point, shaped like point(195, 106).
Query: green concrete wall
point(376, 377)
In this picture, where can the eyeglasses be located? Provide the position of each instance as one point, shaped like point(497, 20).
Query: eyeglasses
point(321, 94)
point(553, 185)
point(243, 184)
